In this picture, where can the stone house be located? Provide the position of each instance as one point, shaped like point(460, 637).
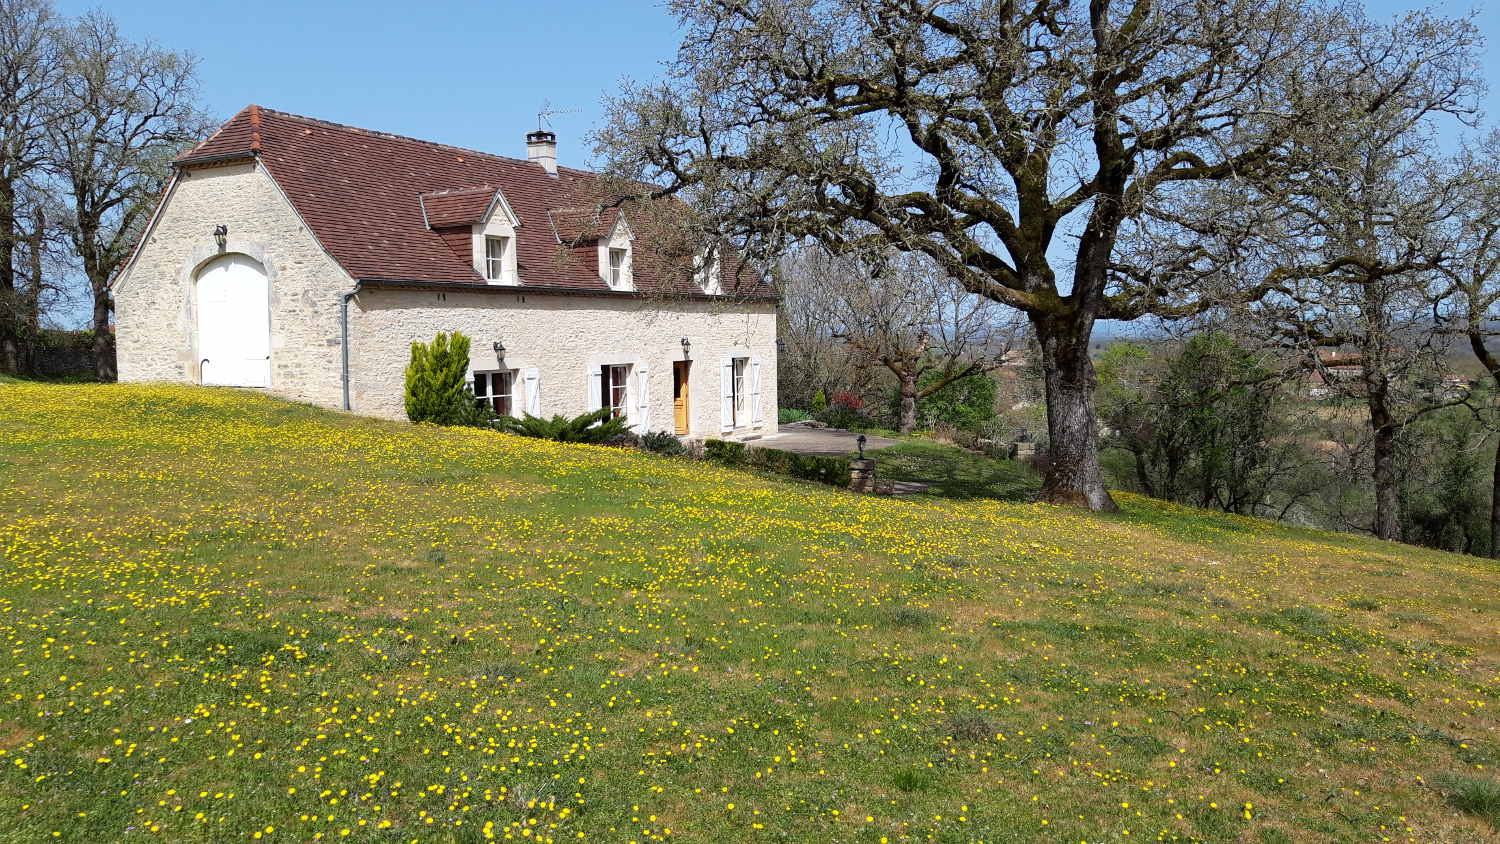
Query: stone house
point(303, 257)
point(1332, 372)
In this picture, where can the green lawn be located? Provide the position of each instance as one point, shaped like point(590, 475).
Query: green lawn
point(226, 617)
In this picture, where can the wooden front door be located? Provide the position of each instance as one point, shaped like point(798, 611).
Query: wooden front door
point(680, 395)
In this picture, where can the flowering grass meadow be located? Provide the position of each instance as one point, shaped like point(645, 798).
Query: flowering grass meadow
point(226, 617)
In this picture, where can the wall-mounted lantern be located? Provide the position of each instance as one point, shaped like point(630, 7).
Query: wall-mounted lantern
point(221, 236)
point(687, 349)
point(861, 441)
point(499, 349)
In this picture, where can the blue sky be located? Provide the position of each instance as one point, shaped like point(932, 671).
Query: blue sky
point(471, 73)
point(468, 72)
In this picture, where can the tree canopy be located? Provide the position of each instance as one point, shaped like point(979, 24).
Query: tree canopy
point(1011, 143)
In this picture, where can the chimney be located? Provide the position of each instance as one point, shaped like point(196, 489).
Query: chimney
point(541, 148)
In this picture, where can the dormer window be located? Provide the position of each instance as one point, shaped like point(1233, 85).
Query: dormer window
point(617, 268)
point(616, 257)
point(496, 253)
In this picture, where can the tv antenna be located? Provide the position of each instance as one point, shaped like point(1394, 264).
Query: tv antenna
point(545, 114)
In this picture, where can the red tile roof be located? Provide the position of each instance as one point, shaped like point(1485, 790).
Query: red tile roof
point(363, 194)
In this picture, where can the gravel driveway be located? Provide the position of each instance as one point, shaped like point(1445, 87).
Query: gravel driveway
point(827, 442)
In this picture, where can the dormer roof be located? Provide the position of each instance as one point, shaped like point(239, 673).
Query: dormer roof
point(464, 207)
point(581, 226)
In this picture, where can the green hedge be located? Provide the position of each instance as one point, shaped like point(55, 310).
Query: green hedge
point(725, 451)
point(828, 470)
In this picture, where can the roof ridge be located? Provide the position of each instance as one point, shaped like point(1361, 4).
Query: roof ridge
point(397, 137)
point(254, 128)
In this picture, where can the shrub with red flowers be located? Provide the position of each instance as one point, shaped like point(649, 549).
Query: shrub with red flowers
point(848, 400)
point(845, 410)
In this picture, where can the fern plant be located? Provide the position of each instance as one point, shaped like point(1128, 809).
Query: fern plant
point(663, 442)
point(598, 426)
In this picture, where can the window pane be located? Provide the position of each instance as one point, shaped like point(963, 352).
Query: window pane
point(494, 250)
point(479, 389)
point(615, 384)
point(616, 266)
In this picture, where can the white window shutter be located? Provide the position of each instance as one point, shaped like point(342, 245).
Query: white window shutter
point(726, 391)
point(643, 398)
point(533, 378)
point(755, 414)
point(596, 388)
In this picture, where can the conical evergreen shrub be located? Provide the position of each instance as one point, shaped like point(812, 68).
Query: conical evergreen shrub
point(436, 389)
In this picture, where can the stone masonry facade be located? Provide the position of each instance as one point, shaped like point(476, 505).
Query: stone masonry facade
point(566, 337)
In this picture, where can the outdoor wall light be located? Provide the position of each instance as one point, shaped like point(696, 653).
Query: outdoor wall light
point(499, 348)
point(687, 348)
point(221, 235)
point(861, 441)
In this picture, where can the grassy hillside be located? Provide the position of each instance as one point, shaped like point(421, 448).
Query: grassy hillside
point(226, 617)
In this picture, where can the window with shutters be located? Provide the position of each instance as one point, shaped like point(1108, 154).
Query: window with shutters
point(614, 384)
point(496, 389)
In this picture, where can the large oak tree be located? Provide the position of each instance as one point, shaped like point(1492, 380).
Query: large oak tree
point(1008, 141)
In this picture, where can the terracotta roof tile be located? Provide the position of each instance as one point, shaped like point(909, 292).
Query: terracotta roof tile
point(363, 194)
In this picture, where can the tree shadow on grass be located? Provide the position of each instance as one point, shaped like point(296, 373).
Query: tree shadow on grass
point(956, 473)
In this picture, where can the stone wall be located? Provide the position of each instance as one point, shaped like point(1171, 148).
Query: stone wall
point(155, 308)
point(565, 337)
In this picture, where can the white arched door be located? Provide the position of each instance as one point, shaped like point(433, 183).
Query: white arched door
point(234, 323)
